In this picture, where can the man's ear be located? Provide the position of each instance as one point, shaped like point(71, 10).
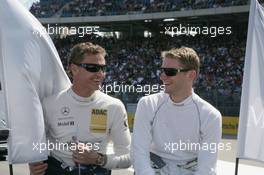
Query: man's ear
point(192, 74)
point(74, 69)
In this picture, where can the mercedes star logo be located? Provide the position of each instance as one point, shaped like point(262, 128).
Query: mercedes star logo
point(65, 110)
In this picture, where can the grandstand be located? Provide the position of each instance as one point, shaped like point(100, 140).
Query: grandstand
point(72, 8)
point(135, 32)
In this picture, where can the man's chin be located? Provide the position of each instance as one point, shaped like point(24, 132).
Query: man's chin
point(166, 90)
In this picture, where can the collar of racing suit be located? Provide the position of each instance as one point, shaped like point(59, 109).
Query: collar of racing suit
point(182, 103)
point(82, 99)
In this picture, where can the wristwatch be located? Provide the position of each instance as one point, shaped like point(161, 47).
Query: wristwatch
point(101, 159)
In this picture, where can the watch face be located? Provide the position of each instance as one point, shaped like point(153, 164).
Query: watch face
point(100, 160)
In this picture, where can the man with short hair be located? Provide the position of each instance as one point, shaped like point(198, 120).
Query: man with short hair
point(175, 131)
point(81, 120)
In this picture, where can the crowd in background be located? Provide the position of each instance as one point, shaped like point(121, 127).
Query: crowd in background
point(136, 61)
point(71, 8)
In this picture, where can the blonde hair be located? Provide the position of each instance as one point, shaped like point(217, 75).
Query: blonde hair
point(186, 56)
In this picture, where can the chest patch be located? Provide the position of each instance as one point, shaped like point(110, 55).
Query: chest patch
point(98, 123)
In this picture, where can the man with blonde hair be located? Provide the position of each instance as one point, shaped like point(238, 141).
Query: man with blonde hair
point(84, 120)
point(175, 131)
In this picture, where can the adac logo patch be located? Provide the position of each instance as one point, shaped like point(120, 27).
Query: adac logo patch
point(65, 110)
point(99, 112)
point(98, 123)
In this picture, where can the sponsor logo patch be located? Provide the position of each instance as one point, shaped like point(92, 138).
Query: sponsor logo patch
point(98, 121)
point(65, 110)
point(66, 123)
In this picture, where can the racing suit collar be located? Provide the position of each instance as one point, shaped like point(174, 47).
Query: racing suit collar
point(81, 99)
point(184, 102)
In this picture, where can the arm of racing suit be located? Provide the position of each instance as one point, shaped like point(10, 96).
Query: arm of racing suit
point(142, 138)
point(121, 138)
point(211, 136)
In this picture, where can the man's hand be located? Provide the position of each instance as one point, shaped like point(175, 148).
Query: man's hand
point(84, 156)
point(37, 168)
